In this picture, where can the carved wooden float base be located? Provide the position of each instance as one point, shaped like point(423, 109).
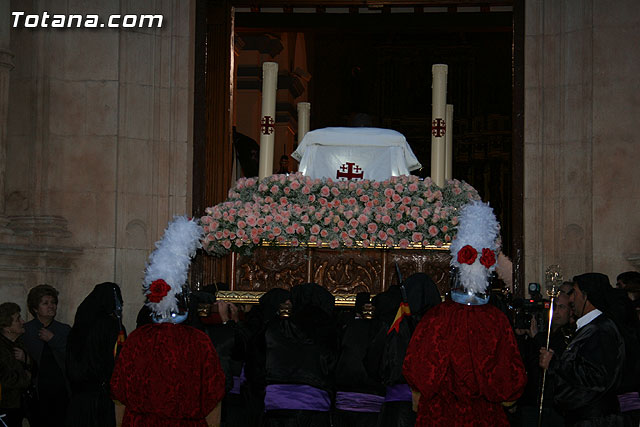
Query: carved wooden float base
point(343, 272)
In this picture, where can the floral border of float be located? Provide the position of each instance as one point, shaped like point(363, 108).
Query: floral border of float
point(294, 210)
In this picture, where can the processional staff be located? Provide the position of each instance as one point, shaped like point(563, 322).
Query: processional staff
point(553, 280)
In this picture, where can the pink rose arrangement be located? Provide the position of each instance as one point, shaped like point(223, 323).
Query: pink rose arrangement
point(296, 210)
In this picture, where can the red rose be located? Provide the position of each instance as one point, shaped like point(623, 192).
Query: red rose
point(158, 290)
point(467, 255)
point(488, 258)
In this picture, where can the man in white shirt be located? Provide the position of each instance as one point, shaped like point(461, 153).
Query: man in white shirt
point(586, 376)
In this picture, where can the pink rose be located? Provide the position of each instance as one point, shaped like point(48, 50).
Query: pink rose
point(372, 227)
point(274, 189)
point(324, 233)
point(404, 243)
point(386, 219)
point(325, 191)
point(433, 230)
point(315, 229)
point(334, 244)
point(416, 237)
point(353, 223)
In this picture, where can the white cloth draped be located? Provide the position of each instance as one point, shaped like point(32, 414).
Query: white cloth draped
point(366, 153)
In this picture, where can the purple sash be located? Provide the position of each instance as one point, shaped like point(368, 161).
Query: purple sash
point(358, 402)
point(398, 393)
point(629, 401)
point(296, 396)
point(236, 385)
point(238, 381)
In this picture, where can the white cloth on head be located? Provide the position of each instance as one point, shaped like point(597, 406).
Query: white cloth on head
point(377, 154)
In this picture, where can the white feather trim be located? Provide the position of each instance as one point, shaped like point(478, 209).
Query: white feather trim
point(479, 228)
point(170, 262)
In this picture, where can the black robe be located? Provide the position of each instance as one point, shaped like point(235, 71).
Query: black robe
point(90, 358)
point(393, 339)
point(302, 350)
point(250, 347)
point(351, 374)
point(588, 373)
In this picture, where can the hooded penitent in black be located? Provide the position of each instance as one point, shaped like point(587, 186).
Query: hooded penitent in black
point(421, 294)
point(90, 357)
point(301, 353)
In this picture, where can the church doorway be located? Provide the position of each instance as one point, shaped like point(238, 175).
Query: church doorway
point(353, 61)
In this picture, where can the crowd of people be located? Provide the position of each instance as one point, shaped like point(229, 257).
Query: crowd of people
point(401, 358)
point(293, 360)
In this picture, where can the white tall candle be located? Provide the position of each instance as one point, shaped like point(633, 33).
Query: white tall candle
point(448, 164)
point(268, 119)
point(304, 113)
point(438, 122)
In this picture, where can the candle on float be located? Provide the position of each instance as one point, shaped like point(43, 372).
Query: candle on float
point(448, 164)
point(438, 122)
point(304, 113)
point(268, 119)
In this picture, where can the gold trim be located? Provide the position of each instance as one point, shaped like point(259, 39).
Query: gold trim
point(357, 245)
point(252, 297)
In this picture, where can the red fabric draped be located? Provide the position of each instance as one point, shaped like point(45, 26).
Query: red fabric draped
point(464, 361)
point(167, 375)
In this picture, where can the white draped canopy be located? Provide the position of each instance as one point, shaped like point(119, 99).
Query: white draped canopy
point(355, 153)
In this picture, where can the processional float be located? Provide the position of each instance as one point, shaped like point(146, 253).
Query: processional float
point(341, 162)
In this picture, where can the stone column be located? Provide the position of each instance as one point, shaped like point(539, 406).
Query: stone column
point(6, 64)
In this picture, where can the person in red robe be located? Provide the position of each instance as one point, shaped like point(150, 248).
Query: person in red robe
point(167, 375)
point(463, 362)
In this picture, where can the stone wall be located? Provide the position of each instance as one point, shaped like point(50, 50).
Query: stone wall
point(581, 155)
point(99, 144)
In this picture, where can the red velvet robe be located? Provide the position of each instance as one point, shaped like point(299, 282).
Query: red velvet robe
point(167, 375)
point(464, 361)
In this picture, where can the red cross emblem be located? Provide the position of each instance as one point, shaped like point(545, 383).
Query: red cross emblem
point(438, 127)
point(350, 171)
point(267, 125)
